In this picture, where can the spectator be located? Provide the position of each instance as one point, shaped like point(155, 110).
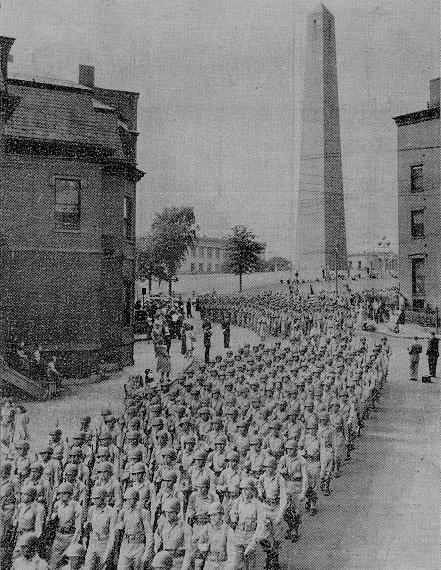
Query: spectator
point(163, 364)
point(414, 351)
point(53, 378)
point(188, 307)
point(432, 354)
point(190, 340)
point(207, 341)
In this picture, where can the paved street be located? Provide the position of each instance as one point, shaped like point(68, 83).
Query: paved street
point(383, 513)
point(89, 398)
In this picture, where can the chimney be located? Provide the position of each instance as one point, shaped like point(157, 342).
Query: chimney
point(5, 48)
point(87, 76)
point(434, 93)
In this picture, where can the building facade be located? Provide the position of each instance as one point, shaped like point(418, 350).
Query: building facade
point(209, 255)
point(68, 223)
point(419, 203)
point(369, 263)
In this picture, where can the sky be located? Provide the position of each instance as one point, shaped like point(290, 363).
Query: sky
point(220, 85)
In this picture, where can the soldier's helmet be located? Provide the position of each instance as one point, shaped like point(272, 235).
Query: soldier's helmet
point(104, 467)
point(99, 493)
point(171, 505)
point(169, 475)
point(37, 466)
point(131, 493)
point(216, 508)
point(137, 468)
point(29, 490)
point(65, 488)
point(312, 422)
point(291, 444)
point(270, 461)
point(203, 481)
point(248, 483)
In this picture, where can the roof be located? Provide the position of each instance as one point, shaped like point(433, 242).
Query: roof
point(417, 117)
point(42, 80)
point(60, 115)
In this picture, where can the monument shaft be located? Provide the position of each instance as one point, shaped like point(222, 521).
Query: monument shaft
point(321, 235)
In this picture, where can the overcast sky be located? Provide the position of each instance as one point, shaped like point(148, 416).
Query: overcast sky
point(221, 86)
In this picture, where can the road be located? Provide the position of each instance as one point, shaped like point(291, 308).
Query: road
point(384, 512)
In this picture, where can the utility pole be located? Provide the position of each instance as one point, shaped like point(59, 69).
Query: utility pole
point(336, 272)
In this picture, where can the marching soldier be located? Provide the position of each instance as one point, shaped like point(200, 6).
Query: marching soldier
point(212, 541)
point(29, 516)
point(67, 515)
point(169, 535)
point(293, 469)
point(137, 536)
point(100, 530)
point(312, 456)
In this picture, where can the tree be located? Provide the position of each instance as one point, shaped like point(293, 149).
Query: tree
point(278, 264)
point(173, 233)
point(243, 252)
point(148, 264)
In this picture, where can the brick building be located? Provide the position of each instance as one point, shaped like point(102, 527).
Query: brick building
point(419, 204)
point(68, 222)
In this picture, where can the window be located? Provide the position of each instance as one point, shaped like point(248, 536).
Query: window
point(209, 268)
point(417, 223)
point(217, 253)
point(201, 267)
point(67, 203)
point(210, 252)
point(127, 316)
point(418, 277)
point(416, 178)
point(192, 267)
point(128, 218)
point(201, 252)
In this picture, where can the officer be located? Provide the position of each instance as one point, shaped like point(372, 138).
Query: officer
point(212, 541)
point(137, 541)
point(292, 467)
point(100, 527)
point(68, 515)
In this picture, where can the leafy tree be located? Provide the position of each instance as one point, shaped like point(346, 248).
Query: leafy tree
point(173, 233)
point(148, 264)
point(278, 264)
point(243, 252)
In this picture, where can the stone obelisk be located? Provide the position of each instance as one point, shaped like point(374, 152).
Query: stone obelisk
point(321, 235)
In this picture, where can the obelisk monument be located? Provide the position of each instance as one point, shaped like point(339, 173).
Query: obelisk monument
point(321, 235)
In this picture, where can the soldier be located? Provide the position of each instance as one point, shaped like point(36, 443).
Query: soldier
point(312, 456)
point(100, 528)
point(212, 541)
point(28, 557)
point(67, 514)
point(293, 469)
point(75, 556)
point(110, 483)
point(8, 501)
point(169, 535)
point(75, 457)
point(37, 480)
point(228, 485)
point(197, 517)
point(51, 467)
point(139, 481)
point(29, 516)
point(272, 492)
point(137, 542)
point(325, 435)
point(168, 490)
point(79, 492)
point(162, 561)
point(250, 524)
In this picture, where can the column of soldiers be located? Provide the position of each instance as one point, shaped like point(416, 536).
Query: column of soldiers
point(209, 471)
